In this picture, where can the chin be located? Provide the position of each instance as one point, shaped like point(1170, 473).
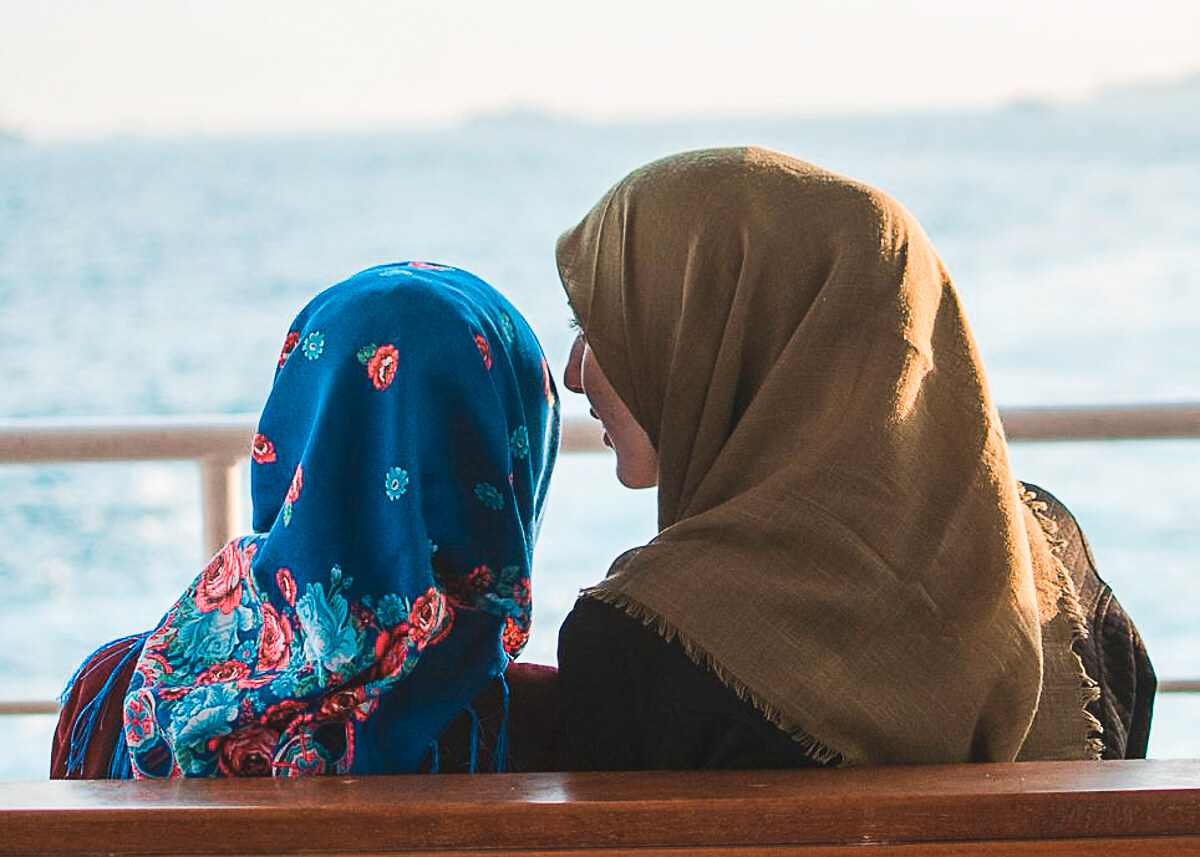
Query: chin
point(637, 480)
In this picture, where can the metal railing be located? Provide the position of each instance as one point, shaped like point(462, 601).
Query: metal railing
point(219, 444)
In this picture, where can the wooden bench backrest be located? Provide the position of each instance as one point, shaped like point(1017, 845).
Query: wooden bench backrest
point(1093, 808)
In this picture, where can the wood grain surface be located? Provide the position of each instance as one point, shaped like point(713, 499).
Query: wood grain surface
point(1094, 808)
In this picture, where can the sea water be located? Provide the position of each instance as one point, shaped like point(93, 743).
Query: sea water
point(159, 276)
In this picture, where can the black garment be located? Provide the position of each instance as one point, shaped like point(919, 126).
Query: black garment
point(631, 700)
point(1113, 653)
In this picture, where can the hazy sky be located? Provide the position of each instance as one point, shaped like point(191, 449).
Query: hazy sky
point(92, 67)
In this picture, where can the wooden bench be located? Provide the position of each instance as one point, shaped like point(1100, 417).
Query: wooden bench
point(1099, 809)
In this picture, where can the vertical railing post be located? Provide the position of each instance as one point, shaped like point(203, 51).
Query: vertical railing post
point(221, 501)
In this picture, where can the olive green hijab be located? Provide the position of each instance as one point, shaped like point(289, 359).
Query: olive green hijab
point(841, 538)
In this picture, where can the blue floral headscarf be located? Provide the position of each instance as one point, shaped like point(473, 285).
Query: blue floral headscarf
point(398, 476)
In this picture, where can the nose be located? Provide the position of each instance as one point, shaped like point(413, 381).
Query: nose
point(573, 374)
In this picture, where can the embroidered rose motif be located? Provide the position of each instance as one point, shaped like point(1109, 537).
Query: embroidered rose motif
point(274, 638)
point(330, 639)
point(220, 584)
point(248, 752)
point(262, 450)
point(513, 637)
point(395, 483)
point(347, 702)
point(430, 618)
point(283, 711)
point(210, 638)
point(485, 349)
point(313, 345)
point(391, 650)
point(289, 345)
point(293, 494)
point(219, 673)
point(489, 495)
point(204, 712)
point(287, 586)
point(381, 362)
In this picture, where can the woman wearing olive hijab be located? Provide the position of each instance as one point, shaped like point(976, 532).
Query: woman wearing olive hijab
point(846, 571)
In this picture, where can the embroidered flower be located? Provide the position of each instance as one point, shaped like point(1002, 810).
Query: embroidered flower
point(262, 450)
point(330, 640)
point(480, 578)
point(219, 586)
point(489, 495)
point(204, 712)
point(513, 637)
point(220, 673)
point(210, 638)
point(283, 712)
point(345, 702)
point(274, 638)
point(313, 345)
point(391, 650)
point(507, 331)
point(395, 483)
point(248, 752)
point(287, 586)
point(518, 444)
point(289, 345)
point(428, 266)
point(381, 362)
point(392, 609)
point(485, 349)
point(141, 724)
point(430, 619)
point(293, 494)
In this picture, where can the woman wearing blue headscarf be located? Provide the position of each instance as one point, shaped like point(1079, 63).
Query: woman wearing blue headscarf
point(398, 477)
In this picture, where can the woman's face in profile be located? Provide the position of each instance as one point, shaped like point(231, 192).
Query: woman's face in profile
point(637, 460)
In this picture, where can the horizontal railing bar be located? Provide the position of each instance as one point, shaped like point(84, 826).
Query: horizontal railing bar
point(29, 706)
point(1181, 685)
point(1102, 422)
point(151, 438)
point(40, 441)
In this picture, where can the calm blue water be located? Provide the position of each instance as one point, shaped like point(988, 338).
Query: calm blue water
point(159, 277)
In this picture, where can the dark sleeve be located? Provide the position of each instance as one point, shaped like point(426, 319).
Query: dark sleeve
point(599, 692)
point(1113, 654)
point(633, 700)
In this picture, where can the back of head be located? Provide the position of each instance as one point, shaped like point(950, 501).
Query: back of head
point(706, 279)
point(398, 477)
point(841, 536)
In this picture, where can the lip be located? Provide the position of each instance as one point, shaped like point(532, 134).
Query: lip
point(608, 441)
